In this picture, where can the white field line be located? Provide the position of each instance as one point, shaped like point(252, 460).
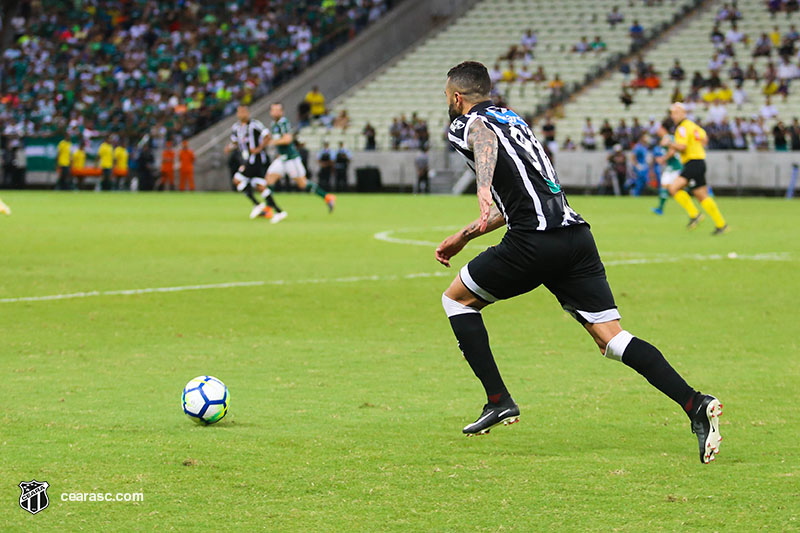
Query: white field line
point(643, 257)
point(386, 236)
point(228, 285)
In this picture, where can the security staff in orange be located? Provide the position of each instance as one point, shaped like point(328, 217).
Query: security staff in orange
point(167, 168)
point(186, 158)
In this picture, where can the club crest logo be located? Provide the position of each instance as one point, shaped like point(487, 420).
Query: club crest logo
point(457, 125)
point(34, 496)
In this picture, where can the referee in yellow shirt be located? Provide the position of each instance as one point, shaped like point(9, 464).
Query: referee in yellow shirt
point(690, 142)
point(63, 151)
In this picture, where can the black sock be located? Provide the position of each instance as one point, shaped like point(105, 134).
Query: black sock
point(248, 191)
point(648, 361)
point(474, 343)
point(271, 202)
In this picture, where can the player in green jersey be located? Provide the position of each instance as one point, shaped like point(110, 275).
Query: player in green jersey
point(288, 161)
point(672, 165)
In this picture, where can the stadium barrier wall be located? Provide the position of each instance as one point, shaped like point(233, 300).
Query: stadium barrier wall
point(766, 172)
point(760, 172)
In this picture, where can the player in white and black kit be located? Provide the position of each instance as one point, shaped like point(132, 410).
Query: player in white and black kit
point(250, 138)
point(546, 243)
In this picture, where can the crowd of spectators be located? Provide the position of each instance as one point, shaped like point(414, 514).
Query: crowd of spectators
point(715, 97)
point(738, 133)
point(158, 68)
point(784, 6)
point(409, 134)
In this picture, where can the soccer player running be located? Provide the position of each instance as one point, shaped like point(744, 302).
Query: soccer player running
point(288, 161)
point(672, 166)
point(547, 243)
point(690, 142)
point(250, 137)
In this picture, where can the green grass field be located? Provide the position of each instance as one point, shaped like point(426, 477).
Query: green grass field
point(348, 390)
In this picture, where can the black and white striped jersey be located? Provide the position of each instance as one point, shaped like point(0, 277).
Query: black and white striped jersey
point(525, 186)
point(247, 137)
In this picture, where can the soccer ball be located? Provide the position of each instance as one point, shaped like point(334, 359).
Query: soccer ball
point(205, 400)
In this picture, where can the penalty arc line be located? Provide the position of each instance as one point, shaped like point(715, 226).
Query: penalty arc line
point(642, 259)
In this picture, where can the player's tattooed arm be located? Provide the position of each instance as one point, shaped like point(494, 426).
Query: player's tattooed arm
point(456, 242)
point(473, 229)
point(483, 144)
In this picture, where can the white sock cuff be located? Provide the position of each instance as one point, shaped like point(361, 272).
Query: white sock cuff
point(266, 192)
point(243, 181)
point(453, 308)
point(616, 346)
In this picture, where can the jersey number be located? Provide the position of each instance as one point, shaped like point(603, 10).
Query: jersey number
point(524, 137)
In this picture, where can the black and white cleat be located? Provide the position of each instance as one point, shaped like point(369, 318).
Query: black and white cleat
point(506, 413)
point(705, 424)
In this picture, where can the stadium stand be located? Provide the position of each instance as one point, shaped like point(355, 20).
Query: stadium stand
point(129, 67)
point(490, 30)
point(722, 37)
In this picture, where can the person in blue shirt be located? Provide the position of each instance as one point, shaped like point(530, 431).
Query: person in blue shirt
point(640, 166)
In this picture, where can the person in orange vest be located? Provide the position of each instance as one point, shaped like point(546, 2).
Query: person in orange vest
point(167, 168)
point(186, 157)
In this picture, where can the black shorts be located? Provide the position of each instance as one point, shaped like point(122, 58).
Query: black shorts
point(256, 169)
point(695, 171)
point(564, 260)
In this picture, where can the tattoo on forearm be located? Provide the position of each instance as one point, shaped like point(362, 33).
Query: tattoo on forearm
point(472, 230)
point(483, 144)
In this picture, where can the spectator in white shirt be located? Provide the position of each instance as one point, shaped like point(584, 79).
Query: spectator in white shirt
point(717, 113)
point(582, 46)
point(524, 75)
point(768, 111)
point(496, 73)
point(716, 62)
point(757, 134)
point(734, 36)
point(739, 96)
point(529, 40)
point(739, 134)
point(653, 126)
point(589, 141)
point(787, 70)
point(614, 17)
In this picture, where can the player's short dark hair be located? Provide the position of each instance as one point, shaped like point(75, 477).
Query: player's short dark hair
point(668, 124)
point(471, 77)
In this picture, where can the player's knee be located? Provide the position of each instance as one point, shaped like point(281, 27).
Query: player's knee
point(453, 307)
